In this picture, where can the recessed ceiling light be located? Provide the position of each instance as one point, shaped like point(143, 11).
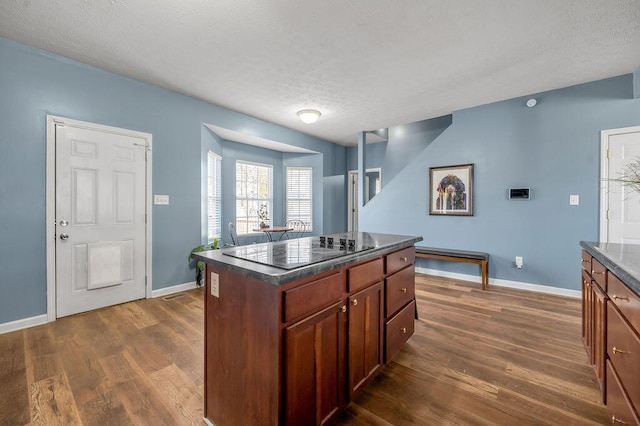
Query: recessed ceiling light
point(309, 116)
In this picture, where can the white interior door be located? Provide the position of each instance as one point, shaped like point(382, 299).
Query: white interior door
point(100, 218)
point(620, 204)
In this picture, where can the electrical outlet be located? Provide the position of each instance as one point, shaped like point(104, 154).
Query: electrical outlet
point(574, 200)
point(519, 262)
point(215, 285)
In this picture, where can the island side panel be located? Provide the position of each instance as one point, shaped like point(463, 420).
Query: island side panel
point(242, 350)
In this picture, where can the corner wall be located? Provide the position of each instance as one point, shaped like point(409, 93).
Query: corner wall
point(553, 148)
point(33, 84)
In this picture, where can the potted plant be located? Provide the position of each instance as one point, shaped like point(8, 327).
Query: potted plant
point(263, 215)
point(200, 264)
point(631, 175)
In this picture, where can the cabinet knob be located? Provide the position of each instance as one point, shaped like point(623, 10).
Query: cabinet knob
point(354, 302)
point(615, 420)
point(614, 297)
point(618, 351)
point(403, 289)
point(404, 330)
point(404, 259)
point(344, 308)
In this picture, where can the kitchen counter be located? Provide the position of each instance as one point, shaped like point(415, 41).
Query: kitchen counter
point(294, 343)
point(379, 243)
point(623, 260)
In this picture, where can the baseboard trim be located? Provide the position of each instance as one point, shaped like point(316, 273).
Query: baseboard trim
point(21, 324)
point(161, 292)
point(539, 288)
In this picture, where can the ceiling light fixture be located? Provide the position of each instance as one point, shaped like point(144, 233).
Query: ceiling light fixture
point(532, 102)
point(309, 116)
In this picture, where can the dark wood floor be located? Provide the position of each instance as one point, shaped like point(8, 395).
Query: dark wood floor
point(495, 357)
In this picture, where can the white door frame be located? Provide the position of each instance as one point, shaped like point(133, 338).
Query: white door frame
point(604, 176)
point(52, 120)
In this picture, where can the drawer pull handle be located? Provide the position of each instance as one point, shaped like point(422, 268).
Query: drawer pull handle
point(355, 302)
point(614, 420)
point(404, 330)
point(403, 289)
point(344, 308)
point(586, 261)
point(598, 272)
point(404, 259)
point(614, 297)
point(618, 351)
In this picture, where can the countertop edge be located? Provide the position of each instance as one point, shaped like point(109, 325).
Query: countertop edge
point(632, 281)
point(277, 276)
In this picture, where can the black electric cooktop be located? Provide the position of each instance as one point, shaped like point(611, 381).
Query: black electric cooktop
point(296, 253)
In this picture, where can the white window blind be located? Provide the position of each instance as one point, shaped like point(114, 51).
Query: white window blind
point(254, 196)
point(300, 195)
point(214, 196)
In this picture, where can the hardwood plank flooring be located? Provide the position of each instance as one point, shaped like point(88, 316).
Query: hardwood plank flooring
point(494, 357)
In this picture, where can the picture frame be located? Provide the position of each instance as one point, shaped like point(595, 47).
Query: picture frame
point(451, 190)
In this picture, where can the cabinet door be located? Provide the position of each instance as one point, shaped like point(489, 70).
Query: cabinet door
point(599, 324)
point(313, 367)
point(587, 317)
point(365, 335)
point(585, 300)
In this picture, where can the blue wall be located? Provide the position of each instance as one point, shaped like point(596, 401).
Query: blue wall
point(33, 84)
point(553, 148)
point(404, 142)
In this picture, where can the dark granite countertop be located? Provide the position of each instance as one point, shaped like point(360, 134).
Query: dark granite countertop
point(379, 243)
point(621, 259)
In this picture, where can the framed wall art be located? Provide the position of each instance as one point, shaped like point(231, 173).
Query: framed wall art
point(451, 190)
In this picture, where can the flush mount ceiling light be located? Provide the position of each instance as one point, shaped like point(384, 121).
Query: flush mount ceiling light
point(309, 116)
point(532, 102)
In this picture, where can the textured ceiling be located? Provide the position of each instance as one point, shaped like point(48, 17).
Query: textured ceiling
point(365, 64)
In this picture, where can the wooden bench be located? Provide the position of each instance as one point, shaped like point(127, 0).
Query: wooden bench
point(477, 257)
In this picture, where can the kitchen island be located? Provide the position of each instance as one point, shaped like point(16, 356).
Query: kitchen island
point(294, 329)
point(611, 324)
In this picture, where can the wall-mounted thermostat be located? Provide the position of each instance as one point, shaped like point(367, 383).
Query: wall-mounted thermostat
point(518, 193)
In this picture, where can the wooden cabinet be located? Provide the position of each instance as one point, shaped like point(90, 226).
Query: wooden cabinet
point(365, 336)
point(611, 334)
point(400, 295)
point(295, 354)
point(594, 313)
point(313, 367)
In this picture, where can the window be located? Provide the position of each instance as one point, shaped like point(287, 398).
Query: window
point(214, 192)
point(254, 196)
point(299, 195)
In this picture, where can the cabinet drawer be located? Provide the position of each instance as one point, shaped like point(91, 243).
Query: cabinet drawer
point(623, 348)
point(399, 289)
point(400, 259)
point(599, 274)
point(362, 275)
point(620, 410)
point(586, 261)
point(398, 330)
point(313, 296)
point(626, 300)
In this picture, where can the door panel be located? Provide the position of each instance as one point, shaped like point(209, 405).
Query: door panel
point(100, 219)
point(624, 202)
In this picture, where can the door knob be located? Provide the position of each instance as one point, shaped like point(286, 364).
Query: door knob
point(64, 237)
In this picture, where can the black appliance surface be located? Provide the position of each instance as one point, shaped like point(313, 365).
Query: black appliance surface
point(295, 253)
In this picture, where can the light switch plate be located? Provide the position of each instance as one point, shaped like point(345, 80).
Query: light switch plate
point(215, 285)
point(161, 200)
point(574, 200)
